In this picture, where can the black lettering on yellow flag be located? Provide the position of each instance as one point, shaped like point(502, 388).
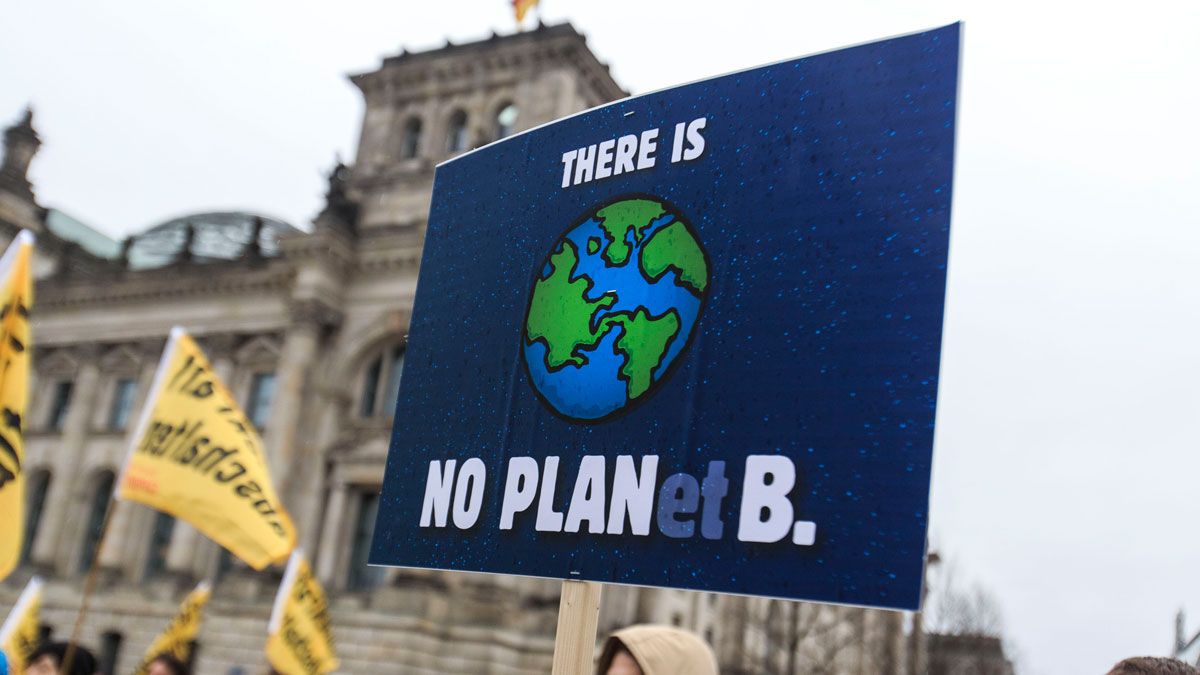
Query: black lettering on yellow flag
point(19, 633)
point(179, 637)
point(300, 641)
point(197, 457)
point(16, 298)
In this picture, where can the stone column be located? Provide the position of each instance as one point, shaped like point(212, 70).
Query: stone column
point(53, 547)
point(185, 539)
point(112, 555)
point(117, 544)
point(296, 432)
point(335, 514)
point(918, 647)
point(893, 661)
point(297, 357)
point(649, 605)
point(181, 554)
point(325, 407)
point(561, 82)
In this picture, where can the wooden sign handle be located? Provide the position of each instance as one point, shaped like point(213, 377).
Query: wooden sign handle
point(575, 640)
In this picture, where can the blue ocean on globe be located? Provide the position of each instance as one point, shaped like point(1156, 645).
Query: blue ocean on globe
point(597, 388)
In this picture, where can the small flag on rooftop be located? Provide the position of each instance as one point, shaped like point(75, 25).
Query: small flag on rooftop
point(521, 7)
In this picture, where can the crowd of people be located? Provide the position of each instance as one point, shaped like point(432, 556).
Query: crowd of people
point(55, 658)
point(636, 650)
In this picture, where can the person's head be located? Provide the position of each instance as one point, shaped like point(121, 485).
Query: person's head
point(48, 660)
point(620, 662)
point(165, 664)
point(656, 650)
point(1152, 665)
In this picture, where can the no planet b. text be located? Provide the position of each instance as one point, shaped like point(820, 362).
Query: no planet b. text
point(685, 505)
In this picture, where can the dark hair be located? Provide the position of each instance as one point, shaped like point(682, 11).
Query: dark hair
point(176, 666)
point(1152, 665)
point(82, 662)
point(612, 647)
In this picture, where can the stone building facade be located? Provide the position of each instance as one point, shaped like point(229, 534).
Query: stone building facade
point(308, 330)
point(1187, 644)
point(968, 655)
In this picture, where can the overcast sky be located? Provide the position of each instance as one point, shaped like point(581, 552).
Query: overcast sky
point(1067, 459)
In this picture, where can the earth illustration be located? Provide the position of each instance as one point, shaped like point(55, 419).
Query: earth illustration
point(614, 306)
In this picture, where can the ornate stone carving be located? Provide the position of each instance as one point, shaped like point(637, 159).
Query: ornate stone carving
point(340, 212)
point(121, 358)
point(164, 285)
point(21, 143)
point(88, 352)
point(253, 251)
point(221, 345)
point(315, 312)
point(151, 348)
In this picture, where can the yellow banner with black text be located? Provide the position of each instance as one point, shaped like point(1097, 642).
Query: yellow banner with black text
point(16, 299)
point(179, 638)
point(199, 458)
point(19, 633)
point(301, 636)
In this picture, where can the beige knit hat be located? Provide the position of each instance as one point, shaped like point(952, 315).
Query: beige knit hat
point(661, 650)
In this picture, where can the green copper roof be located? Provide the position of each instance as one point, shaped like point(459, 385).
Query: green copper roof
point(74, 230)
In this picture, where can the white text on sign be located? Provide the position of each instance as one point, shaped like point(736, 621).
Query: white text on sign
point(679, 507)
point(631, 152)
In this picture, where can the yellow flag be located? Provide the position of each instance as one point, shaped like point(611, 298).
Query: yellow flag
point(197, 457)
point(19, 634)
point(301, 638)
point(180, 635)
point(16, 299)
point(520, 7)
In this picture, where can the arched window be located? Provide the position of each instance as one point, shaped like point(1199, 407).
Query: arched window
point(258, 404)
point(381, 382)
point(124, 390)
point(97, 508)
point(60, 404)
point(224, 564)
point(37, 487)
point(160, 544)
point(410, 143)
point(360, 576)
point(456, 132)
point(506, 120)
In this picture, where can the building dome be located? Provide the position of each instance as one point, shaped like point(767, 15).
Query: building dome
point(206, 237)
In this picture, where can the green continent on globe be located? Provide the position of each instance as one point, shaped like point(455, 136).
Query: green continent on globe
point(674, 247)
point(561, 315)
point(572, 326)
point(644, 343)
point(618, 218)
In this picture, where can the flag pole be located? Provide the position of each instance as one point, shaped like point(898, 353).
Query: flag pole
point(89, 587)
point(575, 638)
point(89, 584)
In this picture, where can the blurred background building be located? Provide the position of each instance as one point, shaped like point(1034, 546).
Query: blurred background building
point(1187, 645)
point(307, 327)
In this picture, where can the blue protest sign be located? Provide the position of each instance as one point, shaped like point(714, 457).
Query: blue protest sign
point(689, 339)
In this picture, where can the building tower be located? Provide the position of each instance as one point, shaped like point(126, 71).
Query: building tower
point(21, 143)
